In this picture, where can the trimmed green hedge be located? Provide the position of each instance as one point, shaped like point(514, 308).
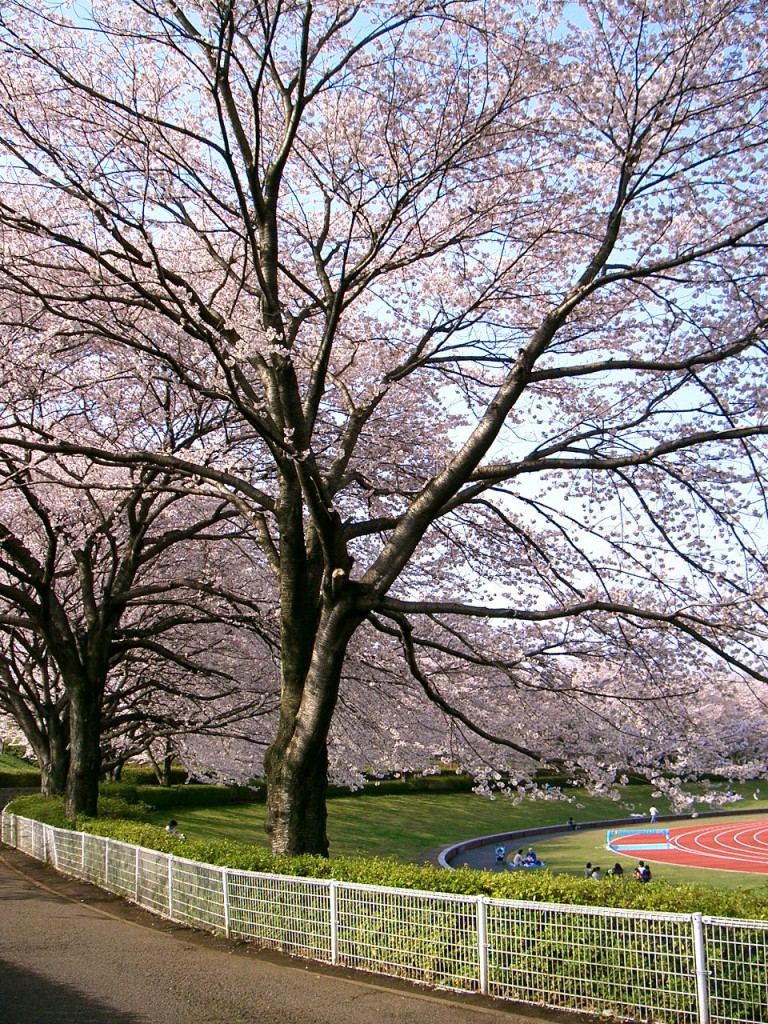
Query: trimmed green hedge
point(144, 775)
point(120, 819)
point(19, 780)
point(444, 782)
point(160, 798)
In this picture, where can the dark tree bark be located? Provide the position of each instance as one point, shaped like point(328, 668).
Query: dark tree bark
point(54, 769)
point(82, 790)
point(296, 764)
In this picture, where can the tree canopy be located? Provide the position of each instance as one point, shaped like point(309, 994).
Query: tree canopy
point(465, 307)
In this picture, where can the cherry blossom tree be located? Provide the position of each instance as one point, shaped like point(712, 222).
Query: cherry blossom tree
point(32, 696)
point(104, 630)
point(210, 678)
point(478, 292)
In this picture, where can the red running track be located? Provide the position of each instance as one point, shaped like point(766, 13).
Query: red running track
point(722, 846)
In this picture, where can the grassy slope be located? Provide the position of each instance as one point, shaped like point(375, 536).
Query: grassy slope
point(404, 826)
point(10, 763)
point(15, 772)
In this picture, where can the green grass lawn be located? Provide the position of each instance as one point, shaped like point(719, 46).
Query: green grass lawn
point(406, 825)
point(10, 763)
point(12, 767)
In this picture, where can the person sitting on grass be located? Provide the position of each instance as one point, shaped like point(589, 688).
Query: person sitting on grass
point(172, 829)
point(617, 871)
point(531, 860)
point(642, 872)
point(518, 860)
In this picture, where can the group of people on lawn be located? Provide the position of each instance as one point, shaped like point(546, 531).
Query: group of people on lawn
point(530, 860)
point(519, 859)
point(642, 872)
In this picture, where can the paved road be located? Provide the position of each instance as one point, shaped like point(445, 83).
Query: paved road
point(72, 954)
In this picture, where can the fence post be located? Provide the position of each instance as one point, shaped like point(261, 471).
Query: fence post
point(170, 887)
point(333, 898)
point(136, 877)
point(47, 844)
point(702, 973)
point(82, 854)
point(482, 942)
point(225, 893)
point(106, 863)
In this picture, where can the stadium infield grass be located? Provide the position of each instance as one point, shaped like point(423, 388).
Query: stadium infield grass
point(404, 826)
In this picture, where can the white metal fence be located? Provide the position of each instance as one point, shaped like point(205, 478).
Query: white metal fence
point(671, 968)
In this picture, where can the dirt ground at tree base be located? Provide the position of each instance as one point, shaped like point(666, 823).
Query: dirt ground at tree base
point(72, 954)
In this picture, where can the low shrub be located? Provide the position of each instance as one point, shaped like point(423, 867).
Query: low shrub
point(144, 775)
point(444, 782)
point(48, 809)
point(533, 886)
point(22, 779)
point(16, 751)
point(161, 798)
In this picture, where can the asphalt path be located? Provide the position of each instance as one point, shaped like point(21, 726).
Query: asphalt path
point(72, 954)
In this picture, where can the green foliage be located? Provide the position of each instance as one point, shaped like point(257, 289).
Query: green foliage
point(121, 819)
point(49, 810)
point(14, 753)
point(441, 782)
point(19, 779)
point(167, 798)
point(144, 775)
point(118, 807)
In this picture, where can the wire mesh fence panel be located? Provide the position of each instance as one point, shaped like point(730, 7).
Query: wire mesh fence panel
point(291, 914)
point(152, 882)
point(121, 878)
point(30, 838)
point(425, 937)
point(737, 962)
point(67, 852)
point(636, 965)
point(593, 959)
point(95, 860)
point(198, 895)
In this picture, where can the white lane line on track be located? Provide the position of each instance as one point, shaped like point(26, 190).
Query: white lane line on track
point(734, 843)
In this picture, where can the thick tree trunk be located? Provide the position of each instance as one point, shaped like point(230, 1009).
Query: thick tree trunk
point(47, 733)
point(296, 792)
point(166, 776)
point(296, 764)
point(82, 791)
point(53, 773)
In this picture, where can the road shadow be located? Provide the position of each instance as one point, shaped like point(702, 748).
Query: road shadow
point(30, 998)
